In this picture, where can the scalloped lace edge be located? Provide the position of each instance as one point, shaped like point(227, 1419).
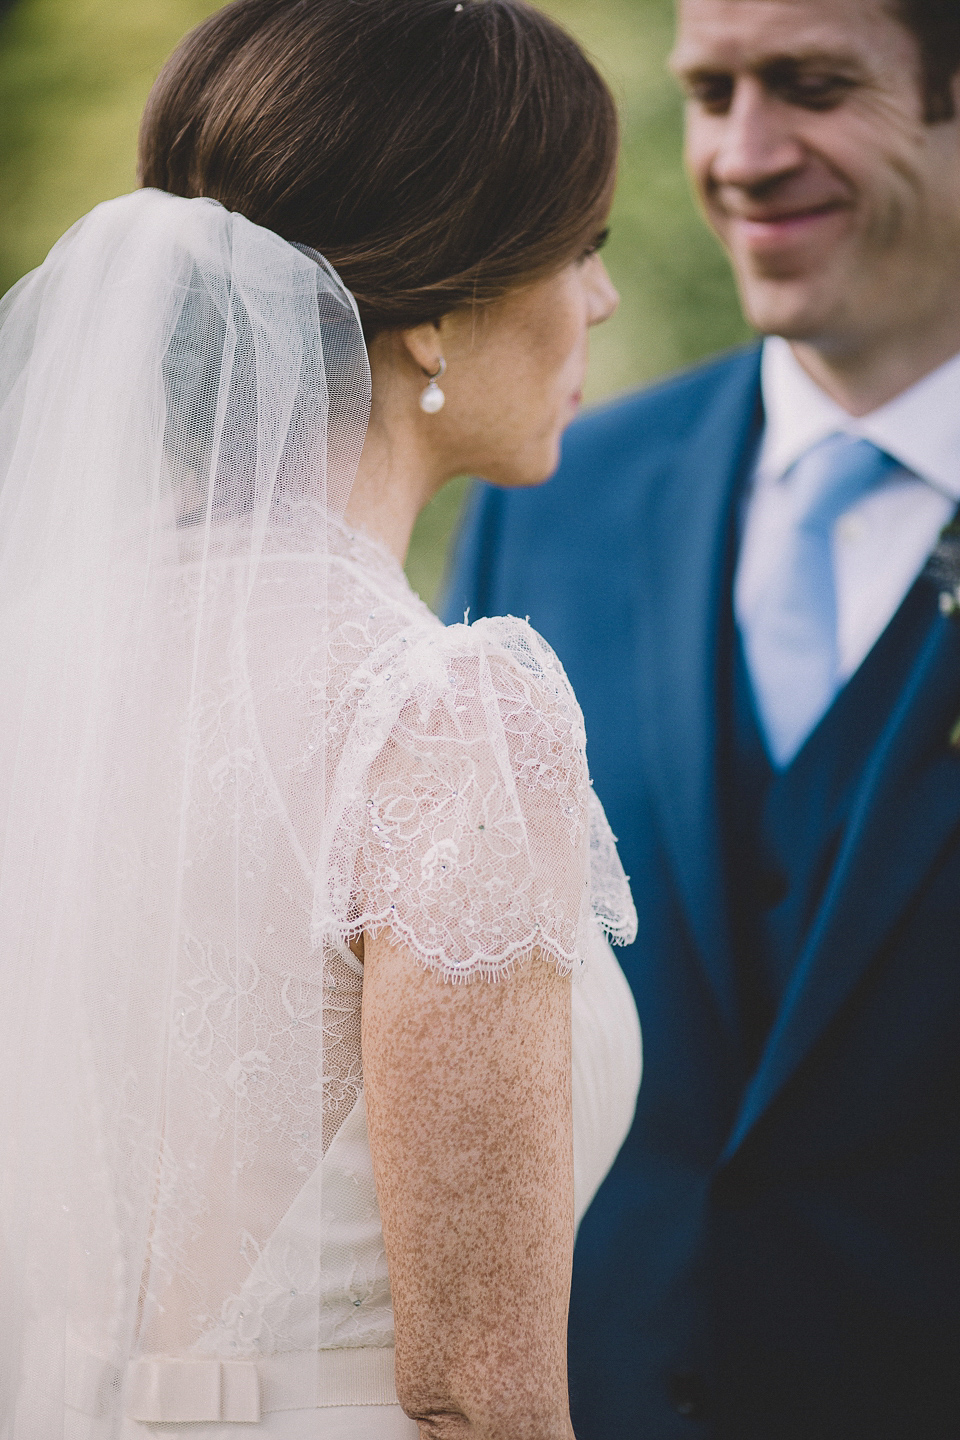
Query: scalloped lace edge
point(481, 967)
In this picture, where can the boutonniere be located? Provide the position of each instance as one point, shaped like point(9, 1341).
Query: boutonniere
point(943, 568)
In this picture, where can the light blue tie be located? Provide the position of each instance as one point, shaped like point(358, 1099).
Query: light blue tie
point(790, 636)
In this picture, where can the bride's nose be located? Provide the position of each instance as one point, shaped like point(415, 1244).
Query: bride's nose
point(603, 295)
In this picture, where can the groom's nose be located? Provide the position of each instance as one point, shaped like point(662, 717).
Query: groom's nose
point(754, 144)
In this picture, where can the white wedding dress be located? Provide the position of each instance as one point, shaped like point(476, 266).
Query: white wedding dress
point(382, 634)
point(231, 740)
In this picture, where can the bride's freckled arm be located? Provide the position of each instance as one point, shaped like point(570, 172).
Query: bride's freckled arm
point(469, 1103)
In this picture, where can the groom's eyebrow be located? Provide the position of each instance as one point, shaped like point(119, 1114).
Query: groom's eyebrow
point(688, 68)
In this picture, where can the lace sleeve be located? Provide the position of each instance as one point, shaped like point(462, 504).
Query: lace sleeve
point(466, 822)
point(610, 898)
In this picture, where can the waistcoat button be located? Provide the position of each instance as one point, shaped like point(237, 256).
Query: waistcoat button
point(688, 1395)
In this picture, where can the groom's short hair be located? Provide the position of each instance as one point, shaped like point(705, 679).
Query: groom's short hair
point(936, 26)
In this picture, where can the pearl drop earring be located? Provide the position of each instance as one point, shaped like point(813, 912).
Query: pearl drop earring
point(433, 399)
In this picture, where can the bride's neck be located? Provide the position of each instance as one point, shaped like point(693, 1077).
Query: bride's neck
point(399, 470)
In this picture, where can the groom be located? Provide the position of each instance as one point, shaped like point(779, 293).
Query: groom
point(743, 573)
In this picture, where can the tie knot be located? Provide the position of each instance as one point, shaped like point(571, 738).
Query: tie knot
point(834, 475)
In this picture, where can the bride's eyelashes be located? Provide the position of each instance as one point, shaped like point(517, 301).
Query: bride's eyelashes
point(597, 245)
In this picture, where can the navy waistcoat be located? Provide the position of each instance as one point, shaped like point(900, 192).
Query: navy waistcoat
point(784, 828)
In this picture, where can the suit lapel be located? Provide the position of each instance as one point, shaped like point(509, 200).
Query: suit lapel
point(687, 539)
point(907, 809)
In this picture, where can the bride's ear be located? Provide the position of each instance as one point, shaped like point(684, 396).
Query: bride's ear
point(423, 344)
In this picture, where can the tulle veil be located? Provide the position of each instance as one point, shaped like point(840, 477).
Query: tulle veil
point(183, 400)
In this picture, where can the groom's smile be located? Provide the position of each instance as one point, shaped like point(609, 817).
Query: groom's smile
point(836, 197)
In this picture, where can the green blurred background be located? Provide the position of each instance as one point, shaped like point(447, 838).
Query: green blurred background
point(73, 78)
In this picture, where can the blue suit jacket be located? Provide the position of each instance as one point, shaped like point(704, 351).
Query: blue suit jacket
point(776, 1252)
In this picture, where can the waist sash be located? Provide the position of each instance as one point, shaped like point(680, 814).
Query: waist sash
point(163, 1390)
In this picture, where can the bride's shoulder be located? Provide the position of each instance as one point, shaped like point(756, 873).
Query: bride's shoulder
point(506, 656)
point(465, 818)
point(402, 649)
point(497, 676)
point(463, 800)
point(511, 641)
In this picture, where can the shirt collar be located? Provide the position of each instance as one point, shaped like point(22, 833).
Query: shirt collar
point(920, 427)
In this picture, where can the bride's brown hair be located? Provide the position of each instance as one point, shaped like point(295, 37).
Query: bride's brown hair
point(437, 153)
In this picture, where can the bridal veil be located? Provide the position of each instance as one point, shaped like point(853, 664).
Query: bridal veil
point(183, 397)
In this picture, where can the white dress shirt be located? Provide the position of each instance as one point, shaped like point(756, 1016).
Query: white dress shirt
point(881, 543)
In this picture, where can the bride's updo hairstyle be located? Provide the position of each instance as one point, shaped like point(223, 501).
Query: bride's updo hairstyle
point(437, 153)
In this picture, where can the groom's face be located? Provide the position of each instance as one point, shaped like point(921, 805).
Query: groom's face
point(838, 204)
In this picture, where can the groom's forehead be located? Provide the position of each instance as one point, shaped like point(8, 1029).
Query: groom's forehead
point(754, 32)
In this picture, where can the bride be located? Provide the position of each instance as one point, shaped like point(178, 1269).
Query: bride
point(276, 1152)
